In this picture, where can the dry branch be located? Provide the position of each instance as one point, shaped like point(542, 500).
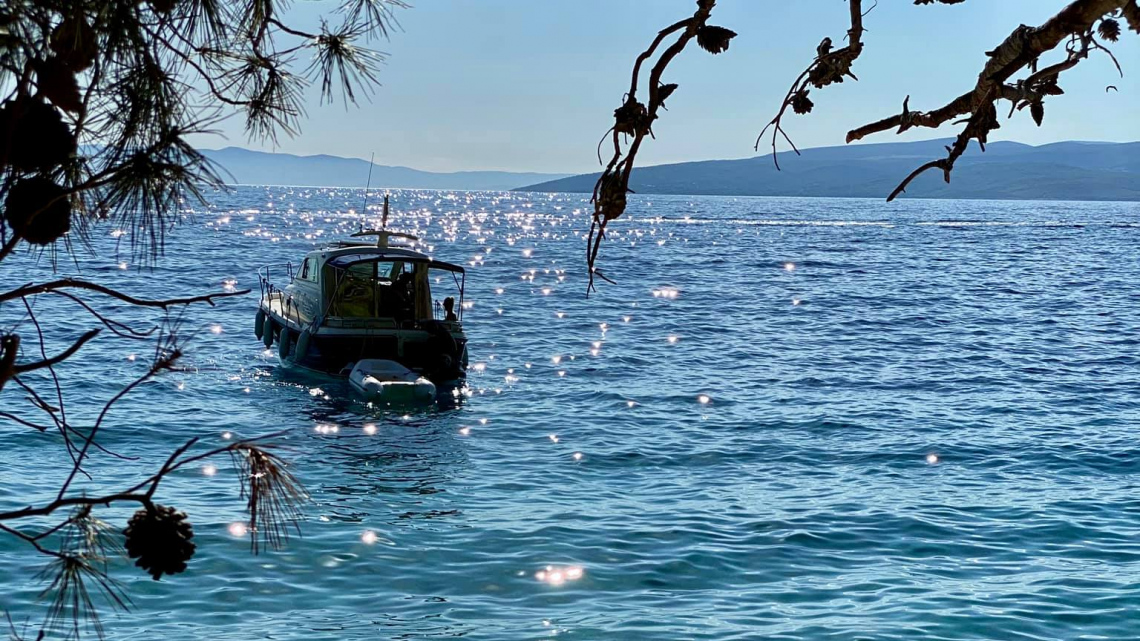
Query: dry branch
point(54, 360)
point(1020, 50)
point(74, 283)
point(97, 106)
point(635, 120)
point(828, 67)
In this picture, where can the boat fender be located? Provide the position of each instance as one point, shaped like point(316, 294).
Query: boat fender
point(267, 331)
point(259, 324)
point(283, 343)
point(302, 346)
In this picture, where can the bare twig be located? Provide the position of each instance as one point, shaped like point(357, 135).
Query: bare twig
point(51, 411)
point(116, 327)
point(64, 283)
point(166, 354)
point(9, 245)
point(34, 540)
point(828, 67)
point(134, 493)
point(22, 368)
point(1021, 49)
point(62, 422)
point(635, 119)
point(24, 422)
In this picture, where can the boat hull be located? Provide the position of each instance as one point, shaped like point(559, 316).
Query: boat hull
point(435, 353)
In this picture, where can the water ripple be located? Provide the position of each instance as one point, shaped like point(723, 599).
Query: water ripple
point(792, 419)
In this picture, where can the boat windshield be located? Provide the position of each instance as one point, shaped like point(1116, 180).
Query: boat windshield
point(380, 289)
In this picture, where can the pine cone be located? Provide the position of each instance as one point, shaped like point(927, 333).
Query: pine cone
point(160, 539)
point(611, 196)
point(163, 6)
point(631, 118)
point(73, 41)
point(38, 210)
point(714, 39)
point(801, 104)
point(40, 140)
point(1109, 29)
point(58, 84)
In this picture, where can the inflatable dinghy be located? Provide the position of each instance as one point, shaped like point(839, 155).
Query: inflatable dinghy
point(384, 381)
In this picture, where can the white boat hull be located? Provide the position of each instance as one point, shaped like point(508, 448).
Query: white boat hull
point(388, 382)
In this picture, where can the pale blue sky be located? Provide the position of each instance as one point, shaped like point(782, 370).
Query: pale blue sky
point(531, 85)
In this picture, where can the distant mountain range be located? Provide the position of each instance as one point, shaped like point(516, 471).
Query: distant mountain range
point(247, 167)
point(1007, 170)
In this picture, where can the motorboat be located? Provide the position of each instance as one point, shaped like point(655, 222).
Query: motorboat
point(383, 316)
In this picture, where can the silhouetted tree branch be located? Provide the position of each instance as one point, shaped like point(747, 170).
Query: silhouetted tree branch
point(74, 283)
point(1078, 28)
point(828, 67)
point(634, 121)
point(1076, 25)
point(97, 99)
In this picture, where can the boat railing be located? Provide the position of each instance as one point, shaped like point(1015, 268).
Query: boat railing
point(269, 291)
point(265, 278)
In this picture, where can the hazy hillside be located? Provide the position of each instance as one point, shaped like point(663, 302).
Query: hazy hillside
point(246, 167)
point(1062, 171)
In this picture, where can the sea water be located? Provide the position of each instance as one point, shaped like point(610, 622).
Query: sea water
point(788, 419)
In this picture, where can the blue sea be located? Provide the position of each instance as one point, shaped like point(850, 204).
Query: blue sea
point(789, 419)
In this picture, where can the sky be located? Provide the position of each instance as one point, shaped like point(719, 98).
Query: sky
point(531, 85)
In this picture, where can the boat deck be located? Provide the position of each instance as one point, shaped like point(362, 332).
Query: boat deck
point(275, 303)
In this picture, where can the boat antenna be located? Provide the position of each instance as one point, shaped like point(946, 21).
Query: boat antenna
point(364, 209)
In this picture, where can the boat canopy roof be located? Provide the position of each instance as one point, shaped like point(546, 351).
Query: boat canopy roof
point(344, 257)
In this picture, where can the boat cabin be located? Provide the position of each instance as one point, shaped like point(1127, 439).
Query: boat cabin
point(375, 287)
point(355, 300)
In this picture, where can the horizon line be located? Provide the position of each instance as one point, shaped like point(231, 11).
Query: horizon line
point(565, 174)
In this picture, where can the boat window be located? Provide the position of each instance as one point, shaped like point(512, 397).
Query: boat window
point(398, 296)
point(445, 284)
point(305, 269)
point(381, 289)
point(355, 295)
point(362, 271)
